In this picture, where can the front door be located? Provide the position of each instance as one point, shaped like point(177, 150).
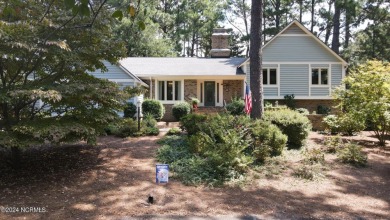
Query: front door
point(209, 93)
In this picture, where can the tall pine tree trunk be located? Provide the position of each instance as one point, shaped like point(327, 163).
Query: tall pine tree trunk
point(336, 27)
point(300, 10)
point(312, 16)
point(278, 15)
point(328, 25)
point(256, 76)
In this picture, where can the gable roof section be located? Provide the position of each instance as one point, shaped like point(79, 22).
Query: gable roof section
point(116, 73)
point(134, 76)
point(292, 29)
point(180, 66)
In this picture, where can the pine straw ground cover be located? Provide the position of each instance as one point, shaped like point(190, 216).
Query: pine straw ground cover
point(114, 179)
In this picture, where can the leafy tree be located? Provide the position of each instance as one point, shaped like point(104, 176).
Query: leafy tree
point(368, 96)
point(46, 94)
point(256, 76)
point(373, 41)
point(276, 16)
point(197, 21)
point(239, 10)
point(142, 33)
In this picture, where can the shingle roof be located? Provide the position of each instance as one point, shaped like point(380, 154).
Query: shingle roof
point(180, 66)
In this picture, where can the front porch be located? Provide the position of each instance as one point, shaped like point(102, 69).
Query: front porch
point(213, 93)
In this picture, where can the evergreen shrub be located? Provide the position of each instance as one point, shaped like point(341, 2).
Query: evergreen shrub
point(192, 122)
point(153, 107)
point(291, 123)
point(322, 109)
point(236, 107)
point(267, 139)
point(129, 110)
point(181, 109)
point(352, 154)
point(303, 111)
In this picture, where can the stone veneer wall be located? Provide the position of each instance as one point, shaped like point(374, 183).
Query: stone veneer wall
point(233, 89)
point(190, 89)
point(310, 105)
point(316, 122)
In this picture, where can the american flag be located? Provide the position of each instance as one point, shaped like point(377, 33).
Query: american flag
point(248, 99)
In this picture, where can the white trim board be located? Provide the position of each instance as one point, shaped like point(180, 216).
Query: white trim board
point(120, 80)
point(302, 97)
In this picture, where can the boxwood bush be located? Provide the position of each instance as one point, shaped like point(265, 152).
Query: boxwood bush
point(129, 110)
point(181, 109)
point(236, 107)
point(291, 123)
point(153, 107)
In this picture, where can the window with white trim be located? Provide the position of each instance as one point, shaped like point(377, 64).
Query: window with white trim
point(169, 90)
point(319, 76)
point(270, 76)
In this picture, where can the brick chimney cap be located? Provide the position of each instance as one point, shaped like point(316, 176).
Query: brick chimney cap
point(220, 30)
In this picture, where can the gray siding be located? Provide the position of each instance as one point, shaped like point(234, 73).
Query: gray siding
point(270, 65)
point(336, 75)
point(270, 91)
point(294, 29)
point(319, 65)
point(114, 72)
point(247, 69)
point(247, 72)
point(294, 79)
point(296, 49)
point(317, 91)
point(124, 84)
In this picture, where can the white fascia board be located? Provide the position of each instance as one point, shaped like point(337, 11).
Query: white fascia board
point(211, 77)
point(302, 97)
point(133, 76)
point(303, 28)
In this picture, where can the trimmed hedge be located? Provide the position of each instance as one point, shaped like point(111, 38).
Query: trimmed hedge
point(153, 107)
point(181, 109)
point(291, 123)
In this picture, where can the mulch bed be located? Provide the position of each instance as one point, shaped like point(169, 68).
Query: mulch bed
point(114, 179)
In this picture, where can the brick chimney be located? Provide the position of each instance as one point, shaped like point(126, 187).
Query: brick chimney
point(220, 43)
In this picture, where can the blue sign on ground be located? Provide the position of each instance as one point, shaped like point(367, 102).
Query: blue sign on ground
point(162, 172)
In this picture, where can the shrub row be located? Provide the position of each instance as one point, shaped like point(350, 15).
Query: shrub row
point(228, 136)
point(220, 147)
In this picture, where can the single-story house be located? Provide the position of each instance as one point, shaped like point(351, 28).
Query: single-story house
point(294, 62)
